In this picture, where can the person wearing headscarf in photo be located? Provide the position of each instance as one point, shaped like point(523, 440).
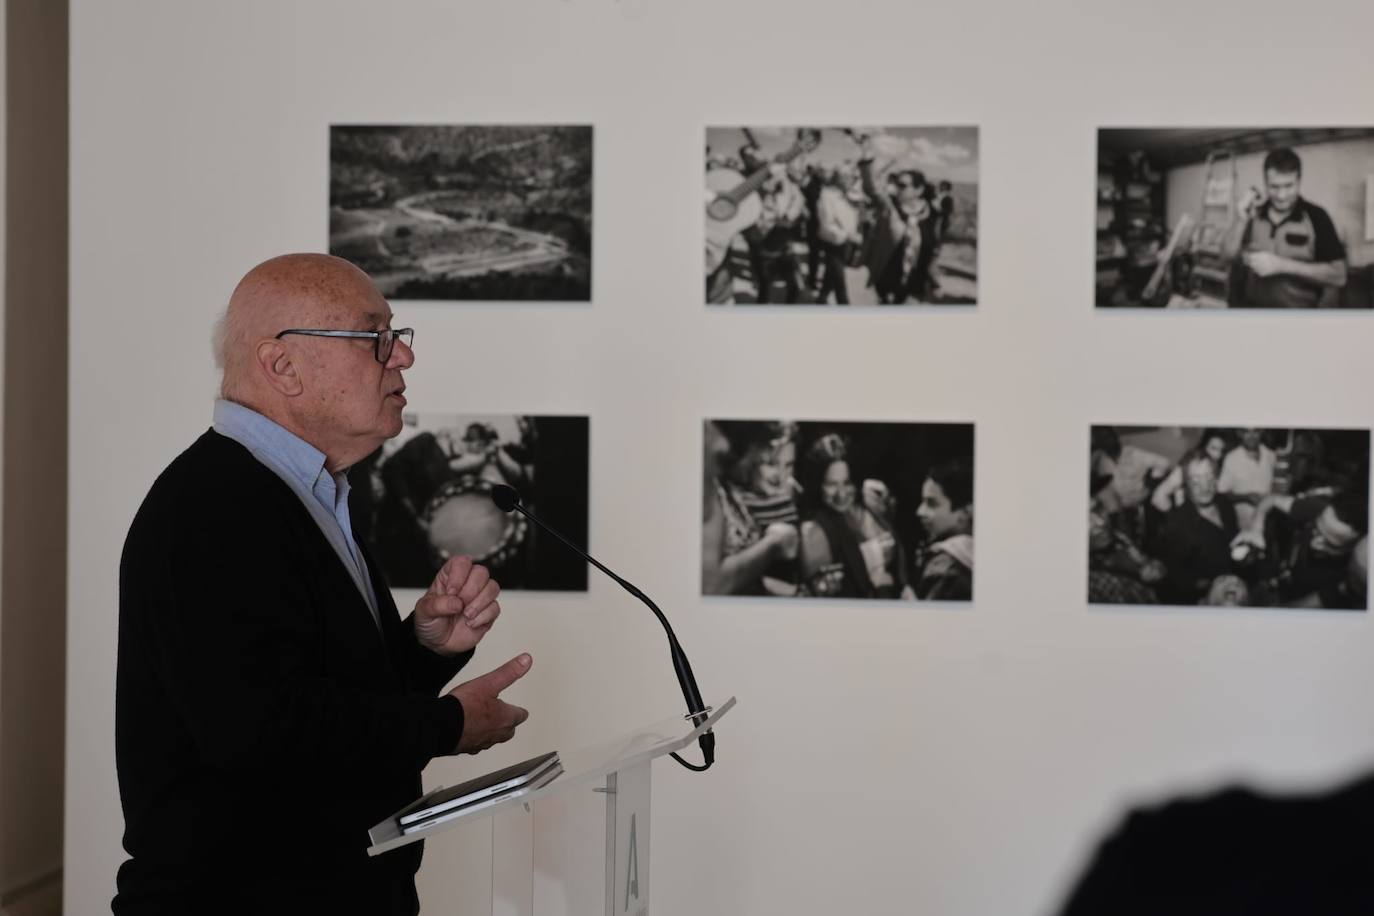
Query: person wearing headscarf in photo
point(747, 551)
point(946, 514)
point(848, 546)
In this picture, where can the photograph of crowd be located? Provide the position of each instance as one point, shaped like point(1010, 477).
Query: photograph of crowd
point(1273, 218)
point(838, 510)
point(861, 216)
point(1234, 516)
point(425, 496)
point(464, 212)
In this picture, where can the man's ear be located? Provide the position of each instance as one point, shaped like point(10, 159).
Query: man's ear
point(277, 368)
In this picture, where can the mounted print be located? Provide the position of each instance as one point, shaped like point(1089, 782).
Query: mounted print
point(1229, 516)
point(813, 509)
point(1247, 218)
point(841, 215)
point(425, 496)
point(465, 212)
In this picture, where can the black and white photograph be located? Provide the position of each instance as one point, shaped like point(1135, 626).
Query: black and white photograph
point(464, 212)
point(813, 509)
point(1229, 516)
point(425, 496)
point(1249, 218)
point(842, 215)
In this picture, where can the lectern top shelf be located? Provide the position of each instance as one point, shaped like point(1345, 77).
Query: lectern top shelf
point(580, 766)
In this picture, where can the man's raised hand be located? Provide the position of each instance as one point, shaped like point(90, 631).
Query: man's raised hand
point(458, 609)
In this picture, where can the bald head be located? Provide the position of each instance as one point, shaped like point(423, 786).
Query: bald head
point(330, 390)
point(288, 291)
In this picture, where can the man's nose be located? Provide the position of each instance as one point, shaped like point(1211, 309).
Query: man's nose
point(402, 356)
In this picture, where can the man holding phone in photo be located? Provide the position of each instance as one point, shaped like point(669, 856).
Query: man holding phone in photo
point(1288, 252)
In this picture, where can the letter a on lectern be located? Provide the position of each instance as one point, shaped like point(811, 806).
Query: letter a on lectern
point(632, 867)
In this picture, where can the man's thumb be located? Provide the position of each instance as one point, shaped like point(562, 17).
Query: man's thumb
point(512, 671)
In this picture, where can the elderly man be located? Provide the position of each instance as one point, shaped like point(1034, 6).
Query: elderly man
point(271, 703)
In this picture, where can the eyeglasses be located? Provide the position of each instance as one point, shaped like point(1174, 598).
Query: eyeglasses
point(383, 341)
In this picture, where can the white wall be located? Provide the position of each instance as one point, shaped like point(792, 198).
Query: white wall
point(882, 758)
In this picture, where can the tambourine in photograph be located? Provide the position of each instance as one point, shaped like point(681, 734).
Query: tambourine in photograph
point(425, 496)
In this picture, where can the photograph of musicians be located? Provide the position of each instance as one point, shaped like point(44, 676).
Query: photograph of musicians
point(1288, 252)
point(1314, 539)
point(271, 703)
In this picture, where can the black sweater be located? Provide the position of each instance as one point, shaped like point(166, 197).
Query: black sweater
point(262, 722)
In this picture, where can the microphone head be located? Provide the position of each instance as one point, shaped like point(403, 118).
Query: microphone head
point(505, 497)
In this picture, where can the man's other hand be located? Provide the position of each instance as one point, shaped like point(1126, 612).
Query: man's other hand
point(487, 719)
point(458, 609)
point(1263, 263)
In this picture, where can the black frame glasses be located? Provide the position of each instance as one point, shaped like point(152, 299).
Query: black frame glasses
point(383, 341)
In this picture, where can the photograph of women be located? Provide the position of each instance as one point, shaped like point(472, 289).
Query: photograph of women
point(815, 509)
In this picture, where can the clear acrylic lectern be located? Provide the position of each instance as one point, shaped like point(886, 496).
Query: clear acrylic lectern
point(619, 771)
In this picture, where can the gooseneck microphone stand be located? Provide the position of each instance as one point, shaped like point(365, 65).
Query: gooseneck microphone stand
point(508, 500)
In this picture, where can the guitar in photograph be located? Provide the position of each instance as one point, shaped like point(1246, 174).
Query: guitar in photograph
point(732, 201)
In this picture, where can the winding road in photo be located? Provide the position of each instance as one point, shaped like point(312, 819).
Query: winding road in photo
point(536, 249)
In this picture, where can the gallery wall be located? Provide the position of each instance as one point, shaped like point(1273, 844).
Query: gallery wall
point(884, 757)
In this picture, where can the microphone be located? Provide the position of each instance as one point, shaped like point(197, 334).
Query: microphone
point(507, 500)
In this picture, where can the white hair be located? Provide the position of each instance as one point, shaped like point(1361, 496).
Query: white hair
point(217, 339)
point(226, 346)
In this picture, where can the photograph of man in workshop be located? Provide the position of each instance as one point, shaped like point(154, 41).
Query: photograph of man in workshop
point(1235, 218)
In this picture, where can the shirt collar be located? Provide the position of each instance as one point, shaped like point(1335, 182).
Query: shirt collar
point(268, 439)
point(1299, 208)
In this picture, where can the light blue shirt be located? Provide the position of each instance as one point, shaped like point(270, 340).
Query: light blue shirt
point(301, 466)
